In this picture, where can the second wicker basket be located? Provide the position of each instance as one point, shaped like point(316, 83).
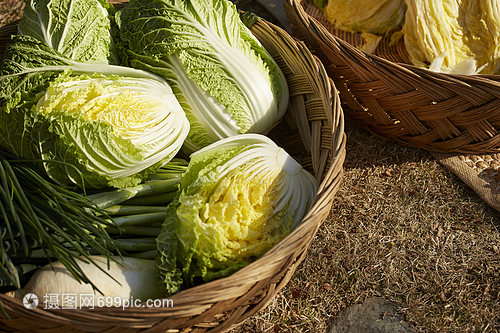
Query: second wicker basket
point(386, 95)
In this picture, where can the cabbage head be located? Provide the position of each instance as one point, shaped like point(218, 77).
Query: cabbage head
point(454, 36)
point(372, 18)
point(225, 80)
point(238, 198)
point(93, 125)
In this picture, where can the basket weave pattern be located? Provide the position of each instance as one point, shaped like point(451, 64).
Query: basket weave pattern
point(311, 131)
point(386, 95)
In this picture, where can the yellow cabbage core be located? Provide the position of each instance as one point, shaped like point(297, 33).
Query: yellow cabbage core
point(241, 211)
point(128, 111)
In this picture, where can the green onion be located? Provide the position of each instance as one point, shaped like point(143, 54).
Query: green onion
point(107, 199)
point(152, 200)
point(139, 219)
point(136, 244)
point(118, 210)
point(135, 230)
point(35, 212)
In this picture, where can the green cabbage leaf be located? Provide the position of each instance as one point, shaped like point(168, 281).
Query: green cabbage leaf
point(79, 29)
point(92, 124)
point(225, 80)
point(238, 198)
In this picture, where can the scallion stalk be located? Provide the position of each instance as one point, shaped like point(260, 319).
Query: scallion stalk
point(35, 210)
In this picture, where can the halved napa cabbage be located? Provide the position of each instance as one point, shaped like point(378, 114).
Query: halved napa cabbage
point(90, 124)
point(454, 36)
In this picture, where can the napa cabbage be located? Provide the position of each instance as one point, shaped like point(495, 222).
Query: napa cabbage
point(225, 80)
point(454, 36)
point(93, 124)
point(238, 198)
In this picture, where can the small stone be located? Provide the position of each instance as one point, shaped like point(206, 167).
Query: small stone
point(375, 315)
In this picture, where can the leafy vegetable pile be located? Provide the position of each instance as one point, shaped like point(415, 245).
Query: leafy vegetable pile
point(449, 36)
point(140, 133)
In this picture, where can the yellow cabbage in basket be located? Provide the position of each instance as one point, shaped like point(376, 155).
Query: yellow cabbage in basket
point(374, 18)
point(238, 198)
point(453, 36)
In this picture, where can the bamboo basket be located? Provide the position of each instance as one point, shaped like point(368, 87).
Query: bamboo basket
point(386, 95)
point(312, 131)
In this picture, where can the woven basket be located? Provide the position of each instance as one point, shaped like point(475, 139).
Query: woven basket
point(312, 131)
point(386, 95)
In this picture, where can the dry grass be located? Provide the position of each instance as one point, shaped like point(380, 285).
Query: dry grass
point(403, 227)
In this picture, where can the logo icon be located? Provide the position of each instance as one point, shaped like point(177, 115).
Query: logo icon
point(30, 301)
